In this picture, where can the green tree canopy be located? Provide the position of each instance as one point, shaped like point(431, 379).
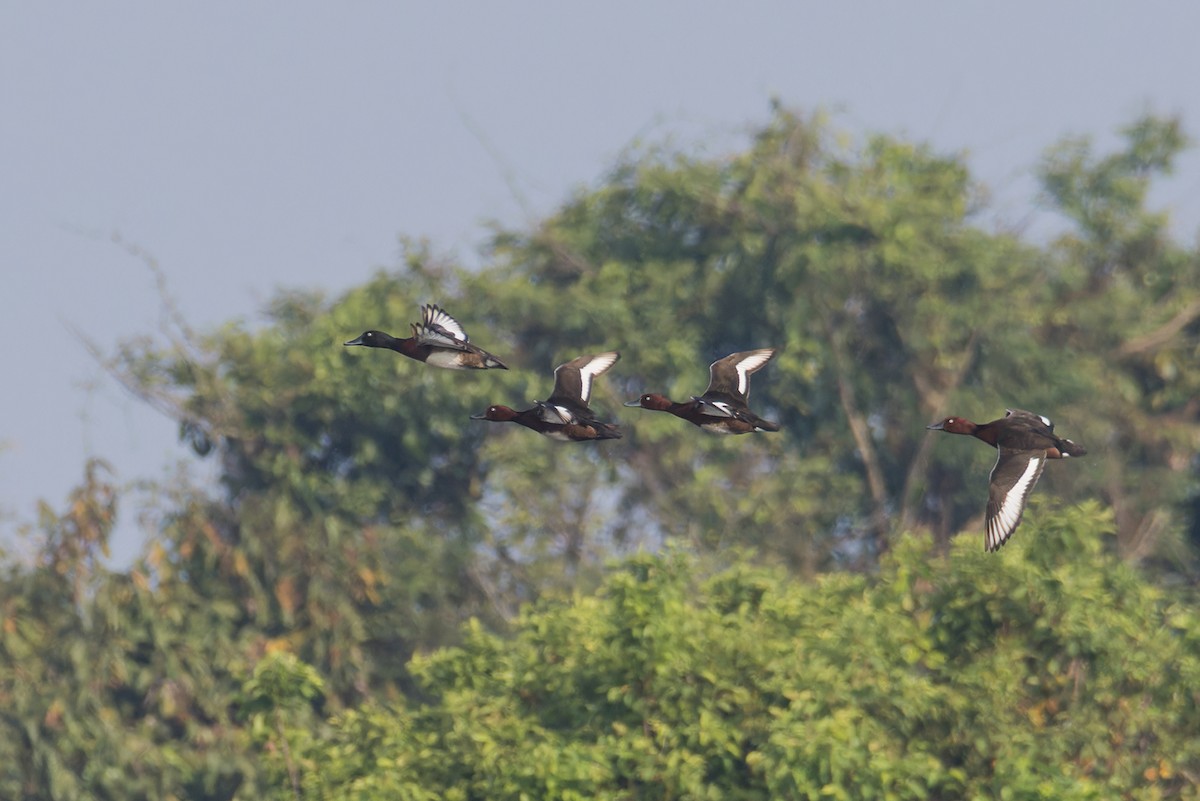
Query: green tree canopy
point(360, 517)
point(1054, 672)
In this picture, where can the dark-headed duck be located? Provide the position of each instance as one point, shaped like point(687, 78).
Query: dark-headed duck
point(565, 415)
point(438, 340)
point(1025, 441)
point(722, 409)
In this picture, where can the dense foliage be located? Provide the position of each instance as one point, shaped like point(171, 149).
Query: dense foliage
point(299, 629)
point(1054, 672)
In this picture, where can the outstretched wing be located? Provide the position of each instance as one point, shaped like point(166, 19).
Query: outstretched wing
point(731, 375)
point(1014, 476)
point(573, 380)
point(440, 329)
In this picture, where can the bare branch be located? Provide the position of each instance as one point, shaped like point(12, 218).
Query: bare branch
point(862, 439)
point(171, 315)
point(173, 327)
point(1164, 333)
point(934, 398)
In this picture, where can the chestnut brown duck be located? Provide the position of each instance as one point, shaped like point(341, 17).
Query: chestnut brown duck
point(723, 408)
point(1025, 441)
point(565, 415)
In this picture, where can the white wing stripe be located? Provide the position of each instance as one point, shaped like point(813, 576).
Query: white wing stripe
point(715, 408)
point(748, 365)
point(433, 336)
point(597, 366)
point(1009, 514)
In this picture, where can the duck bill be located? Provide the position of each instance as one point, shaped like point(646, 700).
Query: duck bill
point(635, 402)
point(937, 426)
point(482, 416)
point(355, 341)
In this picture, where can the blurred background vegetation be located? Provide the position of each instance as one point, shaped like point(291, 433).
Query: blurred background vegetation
point(381, 598)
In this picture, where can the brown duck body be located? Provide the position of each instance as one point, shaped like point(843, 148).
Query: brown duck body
point(1018, 430)
point(1025, 441)
point(581, 428)
point(723, 408)
point(742, 421)
point(565, 415)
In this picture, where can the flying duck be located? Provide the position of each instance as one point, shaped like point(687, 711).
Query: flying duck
point(565, 415)
point(1025, 441)
point(722, 409)
point(438, 340)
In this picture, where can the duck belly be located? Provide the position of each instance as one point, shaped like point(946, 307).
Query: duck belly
point(446, 359)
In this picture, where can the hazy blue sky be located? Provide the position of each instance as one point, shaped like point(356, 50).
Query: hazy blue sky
point(254, 146)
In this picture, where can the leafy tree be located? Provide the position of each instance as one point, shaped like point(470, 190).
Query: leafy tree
point(1130, 319)
point(891, 309)
point(276, 696)
point(1052, 671)
point(860, 261)
point(360, 517)
point(347, 518)
point(114, 685)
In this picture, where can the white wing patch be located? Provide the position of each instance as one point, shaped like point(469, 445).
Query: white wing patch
point(438, 336)
point(753, 361)
point(433, 317)
point(1003, 523)
point(552, 413)
point(716, 408)
point(596, 367)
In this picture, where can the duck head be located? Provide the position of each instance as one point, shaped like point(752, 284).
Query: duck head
point(372, 339)
point(497, 414)
point(651, 400)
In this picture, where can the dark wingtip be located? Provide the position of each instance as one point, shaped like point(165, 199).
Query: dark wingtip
point(990, 547)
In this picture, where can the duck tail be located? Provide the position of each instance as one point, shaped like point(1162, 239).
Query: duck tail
point(765, 425)
point(610, 432)
point(1068, 448)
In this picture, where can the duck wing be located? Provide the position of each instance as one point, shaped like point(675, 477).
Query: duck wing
point(573, 380)
point(439, 329)
point(1031, 416)
point(556, 413)
point(1013, 477)
point(730, 376)
point(729, 382)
